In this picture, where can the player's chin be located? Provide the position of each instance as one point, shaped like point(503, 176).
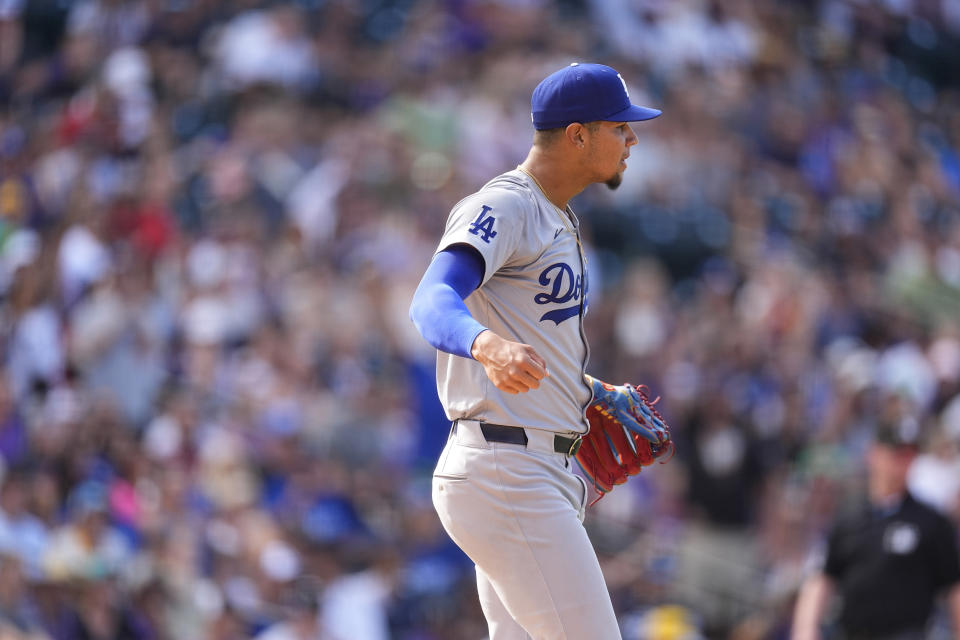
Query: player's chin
point(614, 181)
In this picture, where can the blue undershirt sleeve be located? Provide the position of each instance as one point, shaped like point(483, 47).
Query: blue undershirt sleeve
point(438, 310)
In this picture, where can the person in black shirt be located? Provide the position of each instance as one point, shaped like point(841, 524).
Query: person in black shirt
point(888, 560)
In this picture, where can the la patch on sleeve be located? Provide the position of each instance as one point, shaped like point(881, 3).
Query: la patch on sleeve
point(483, 225)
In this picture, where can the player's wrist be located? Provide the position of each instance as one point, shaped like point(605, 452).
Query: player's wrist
point(479, 341)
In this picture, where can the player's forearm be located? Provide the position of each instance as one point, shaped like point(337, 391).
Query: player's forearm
point(438, 310)
point(443, 319)
point(811, 604)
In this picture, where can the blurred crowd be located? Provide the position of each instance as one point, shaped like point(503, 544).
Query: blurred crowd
point(216, 420)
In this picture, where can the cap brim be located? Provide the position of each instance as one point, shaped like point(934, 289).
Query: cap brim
point(633, 113)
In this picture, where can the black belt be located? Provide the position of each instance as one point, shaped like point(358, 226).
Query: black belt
point(517, 435)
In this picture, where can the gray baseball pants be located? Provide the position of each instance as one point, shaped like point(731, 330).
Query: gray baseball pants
point(517, 512)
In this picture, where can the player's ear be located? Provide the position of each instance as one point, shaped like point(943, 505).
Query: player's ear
point(575, 133)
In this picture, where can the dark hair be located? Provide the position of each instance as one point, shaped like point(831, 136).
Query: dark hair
point(903, 433)
point(546, 137)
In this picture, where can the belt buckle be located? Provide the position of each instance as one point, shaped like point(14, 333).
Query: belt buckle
point(575, 446)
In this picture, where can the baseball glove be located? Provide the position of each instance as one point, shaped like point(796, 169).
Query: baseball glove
point(626, 434)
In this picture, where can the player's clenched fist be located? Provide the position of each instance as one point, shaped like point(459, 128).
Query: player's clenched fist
point(513, 367)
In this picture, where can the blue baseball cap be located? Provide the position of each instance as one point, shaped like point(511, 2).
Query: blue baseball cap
point(584, 93)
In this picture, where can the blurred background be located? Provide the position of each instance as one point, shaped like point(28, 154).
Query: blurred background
point(216, 420)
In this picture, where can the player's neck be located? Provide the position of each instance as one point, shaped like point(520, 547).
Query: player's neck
point(553, 176)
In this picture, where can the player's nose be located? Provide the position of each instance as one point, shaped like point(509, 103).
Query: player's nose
point(631, 136)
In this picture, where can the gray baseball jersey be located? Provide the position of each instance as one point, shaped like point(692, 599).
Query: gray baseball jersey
point(533, 291)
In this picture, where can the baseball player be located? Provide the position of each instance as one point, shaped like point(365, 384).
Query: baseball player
point(503, 301)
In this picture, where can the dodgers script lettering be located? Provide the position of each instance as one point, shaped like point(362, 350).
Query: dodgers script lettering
point(564, 287)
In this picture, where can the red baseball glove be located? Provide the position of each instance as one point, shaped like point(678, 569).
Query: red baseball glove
point(626, 434)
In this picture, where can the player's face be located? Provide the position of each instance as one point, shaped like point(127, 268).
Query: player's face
point(888, 468)
point(610, 146)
